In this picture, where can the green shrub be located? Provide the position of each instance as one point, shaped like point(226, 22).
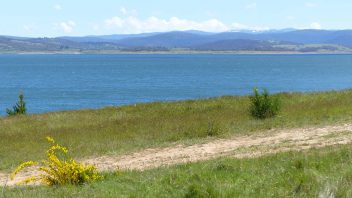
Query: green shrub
point(19, 108)
point(213, 129)
point(264, 105)
point(201, 190)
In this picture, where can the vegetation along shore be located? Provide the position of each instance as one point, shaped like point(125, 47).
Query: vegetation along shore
point(143, 146)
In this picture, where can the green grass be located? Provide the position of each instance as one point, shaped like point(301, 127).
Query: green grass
point(293, 174)
point(117, 130)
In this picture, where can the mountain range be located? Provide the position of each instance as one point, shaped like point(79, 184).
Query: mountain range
point(287, 40)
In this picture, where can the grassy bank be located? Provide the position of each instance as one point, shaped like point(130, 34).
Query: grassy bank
point(311, 173)
point(129, 128)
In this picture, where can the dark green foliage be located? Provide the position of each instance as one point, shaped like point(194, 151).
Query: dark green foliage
point(200, 188)
point(19, 108)
point(263, 105)
point(199, 191)
point(213, 129)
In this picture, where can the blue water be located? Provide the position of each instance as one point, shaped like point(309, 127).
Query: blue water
point(62, 82)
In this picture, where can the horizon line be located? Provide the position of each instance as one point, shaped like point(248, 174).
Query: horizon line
point(249, 31)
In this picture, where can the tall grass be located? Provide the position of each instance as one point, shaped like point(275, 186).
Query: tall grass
point(313, 173)
point(117, 130)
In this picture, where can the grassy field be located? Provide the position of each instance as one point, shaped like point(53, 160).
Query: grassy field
point(313, 173)
point(117, 130)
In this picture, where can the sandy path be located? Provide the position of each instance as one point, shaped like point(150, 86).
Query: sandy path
point(239, 147)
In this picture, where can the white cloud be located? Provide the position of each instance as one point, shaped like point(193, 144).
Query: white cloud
point(315, 25)
point(310, 4)
point(125, 11)
point(68, 26)
point(57, 7)
point(133, 24)
point(251, 5)
point(114, 21)
point(28, 28)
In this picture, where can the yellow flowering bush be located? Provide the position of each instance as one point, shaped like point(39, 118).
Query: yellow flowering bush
point(59, 168)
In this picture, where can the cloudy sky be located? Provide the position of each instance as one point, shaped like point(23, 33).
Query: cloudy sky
point(91, 17)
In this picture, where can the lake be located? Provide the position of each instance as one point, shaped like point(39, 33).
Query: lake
point(64, 82)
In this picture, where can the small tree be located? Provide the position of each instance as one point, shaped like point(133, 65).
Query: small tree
point(263, 105)
point(19, 108)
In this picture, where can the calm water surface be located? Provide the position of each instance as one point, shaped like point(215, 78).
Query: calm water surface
point(63, 82)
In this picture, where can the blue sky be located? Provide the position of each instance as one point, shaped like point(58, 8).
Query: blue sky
point(90, 17)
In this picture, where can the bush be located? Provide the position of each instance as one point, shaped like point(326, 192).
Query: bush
point(19, 108)
point(263, 105)
point(213, 129)
point(56, 170)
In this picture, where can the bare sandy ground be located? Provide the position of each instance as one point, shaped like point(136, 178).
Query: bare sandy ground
point(269, 142)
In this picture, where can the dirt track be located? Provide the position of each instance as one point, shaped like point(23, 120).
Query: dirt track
point(239, 147)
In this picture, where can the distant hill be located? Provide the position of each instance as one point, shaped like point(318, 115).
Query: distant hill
point(8, 44)
point(273, 40)
point(237, 44)
point(108, 38)
point(169, 40)
point(187, 39)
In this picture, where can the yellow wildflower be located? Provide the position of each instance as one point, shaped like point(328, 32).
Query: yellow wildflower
point(60, 171)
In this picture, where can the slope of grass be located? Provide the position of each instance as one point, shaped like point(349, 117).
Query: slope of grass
point(295, 174)
point(117, 130)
